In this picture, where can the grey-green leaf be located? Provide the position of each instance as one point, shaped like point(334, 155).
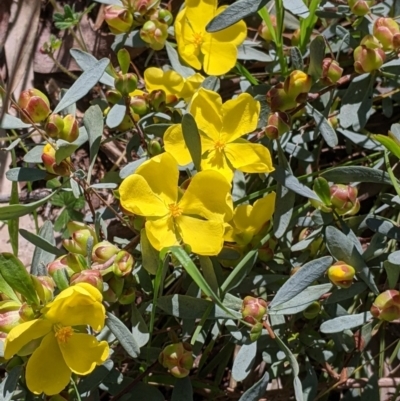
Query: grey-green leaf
point(304, 277)
point(323, 126)
point(116, 114)
point(183, 390)
point(244, 361)
point(83, 84)
point(317, 54)
point(9, 383)
point(11, 122)
point(40, 257)
point(191, 136)
point(123, 335)
point(64, 150)
point(40, 242)
point(351, 174)
point(140, 330)
point(25, 174)
point(257, 390)
point(347, 322)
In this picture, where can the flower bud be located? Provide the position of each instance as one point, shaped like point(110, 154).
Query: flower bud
point(154, 147)
point(341, 274)
point(123, 264)
point(125, 83)
point(177, 358)
point(279, 100)
point(80, 233)
point(127, 297)
point(256, 331)
point(344, 199)
point(44, 286)
point(264, 31)
point(113, 96)
point(165, 16)
point(368, 56)
point(35, 106)
point(331, 71)
point(58, 264)
point(54, 125)
point(157, 100)
point(49, 161)
point(70, 132)
point(76, 263)
point(142, 7)
point(92, 277)
point(253, 309)
point(312, 311)
point(154, 33)
point(297, 83)
point(387, 306)
point(387, 31)
point(118, 19)
point(360, 7)
point(9, 315)
point(26, 312)
point(104, 251)
point(139, 105)
point(278, 124)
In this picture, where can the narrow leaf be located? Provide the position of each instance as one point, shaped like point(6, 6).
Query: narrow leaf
point(25, 174)
point(351, 174)
point(257, 390)
point(192, 139)
point(41, 243)
point(11, 122)
point(140, 330)
point(317, 54)
point(116, 114)
point(323, 126)
point(342, 323)
point(41, 258)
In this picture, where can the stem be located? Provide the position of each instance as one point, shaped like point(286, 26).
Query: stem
point(391, 174)
point(138, 129)
point(382, 351)
point(280, 14)
point(62, 68)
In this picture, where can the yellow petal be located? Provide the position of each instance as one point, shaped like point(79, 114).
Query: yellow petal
point(22, 334)
point(169, 81)
point(235, 34)
point(249, 157)
point(262, 212)
point(161, 233)
point(137, 197)
point(93, 291)
point(240, 117)
point(206, 110)
point(46, 371)
point(216, 160)
point(199, 200)
point(191, 85)
point(162, 174)
point(82, 352)
point(200, 12)
point(219, 57)
point(205, 237)
point(176, 145)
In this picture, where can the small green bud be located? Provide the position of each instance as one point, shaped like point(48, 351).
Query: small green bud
point(341, 274)
point(312, 311)
point(154, 33)
point(54, 126)
point(70, 131)
point(177, 358)
point(125, 83)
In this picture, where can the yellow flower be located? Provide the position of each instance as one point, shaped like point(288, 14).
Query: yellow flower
point(215, 52)
point(221, 126)
point(58, 349)
point(248, 220)
point(172, 83)
point(196, 219)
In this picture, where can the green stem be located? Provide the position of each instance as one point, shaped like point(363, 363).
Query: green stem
point(391, 174)
point(382, 351)
point(280, 14)
point(307, 25)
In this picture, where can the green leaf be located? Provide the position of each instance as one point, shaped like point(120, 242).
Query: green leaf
point(383, 226)
point(296, 58)
point(150, 256)
point(13, 211)
point(140, 331)
point(116, 114)
point(244, 361)
point(350, 174)
point(187, 307)
point(25, 174)
point(41, 243)
point(304, 277)
point(10, 382)
point(321, 188)
point(339, 295)
point(124, 60)
point(64, 150)
point(389, 144)
point(191, 136)
point(183, 390)
point(144, 392)
point(211, 83)
point(347, 322)
point(34, 155)
point(248, 51)
point(208, 270)
point(257, 390)
point(87, 61)
point(60, 277)
point(93, 122)
point(323, 126)
point(317, 54)
point(11, 122)
point(7, 290)
point(83, 84)
point(123, 335)
point(41, 258)
point(15, 274)
point(342, 248)
point(296, 7)
point(175, 62)
point(110, 2)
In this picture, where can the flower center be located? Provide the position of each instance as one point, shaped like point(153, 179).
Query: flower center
point(219, 146)
point(198, 38)
point(63, 333)
point(175, 210)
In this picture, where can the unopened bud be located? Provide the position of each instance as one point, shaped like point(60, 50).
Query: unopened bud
point(331, 71)
point(360, 7)
point(35, 106)
point(341, 274)
point(127, 297)
point(387, 306)
point(49, 161)
point(165, 16)
point(80, 235)
point(279, 100)
point(296, 37)
point(125, 83)
point(344, 199)
point(44, 286)
point(76, 262)
point(177, 358)
point(70, 132)
point(142, 7)
point(58, 264)
point(264, 31)
point(139, 105)
point(54, 125)
point(9, 315)
point(123, 263)
point(312, 311)
point(155, 34)
point(113, 96)
point(387, 31)
point(368, 56)
point(26, 312)
point(118, 19)
point(154, 147)
point(92, 277)
point(297, 83)
point(278, 124)
point(104, 251)
point(253, 309)
point(157, 100)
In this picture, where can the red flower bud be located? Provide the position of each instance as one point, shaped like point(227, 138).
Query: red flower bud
point(331, 71)
point(387, 306)
point(104, 251)
point(344, 199)
point(70, 132)
point(35, 106)
point(368, 56)
point(54, 125)
point(49, 161)
point(278, 124)
point(92, 277)
point(9, 315)
point(118, 19)
point(387, 31)
point(253, 309)
point(123, 264)
point(44, 286)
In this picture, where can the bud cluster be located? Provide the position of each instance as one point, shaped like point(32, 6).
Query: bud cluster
point(146, 14)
